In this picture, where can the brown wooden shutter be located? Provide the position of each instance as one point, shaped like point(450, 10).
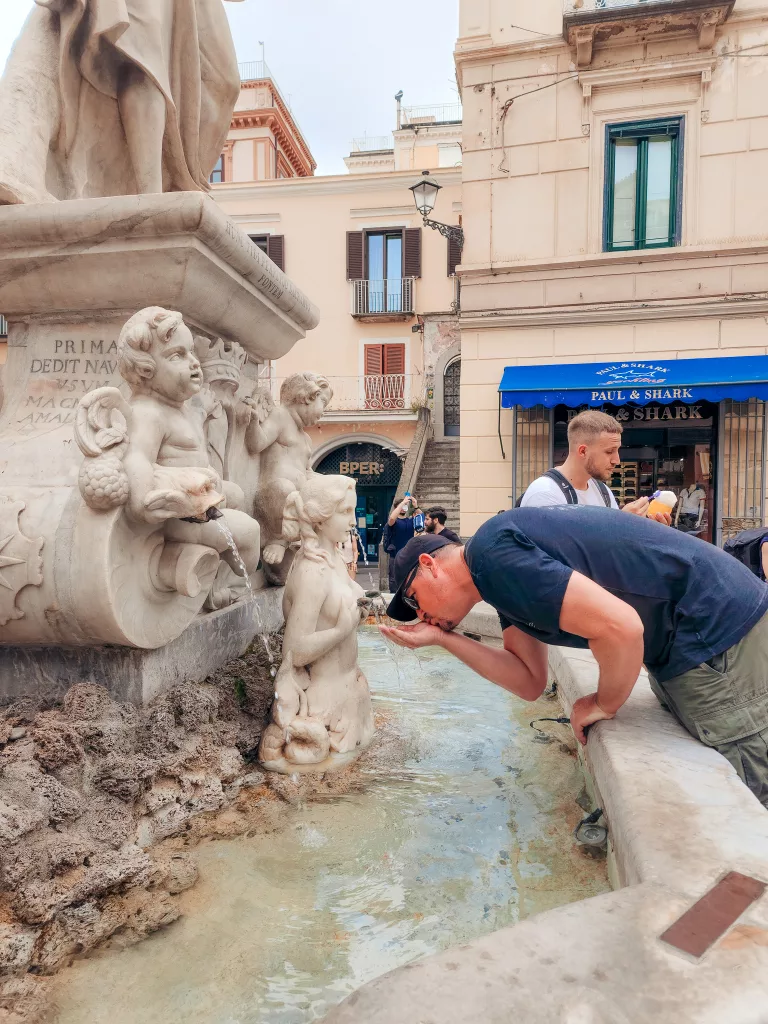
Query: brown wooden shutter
point(454, 256)
point(276, 250)
point(355, 256)
point(394, 359)
point(412, 252)
point(373, 360)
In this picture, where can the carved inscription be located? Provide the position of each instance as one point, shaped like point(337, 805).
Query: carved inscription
point(62, 370)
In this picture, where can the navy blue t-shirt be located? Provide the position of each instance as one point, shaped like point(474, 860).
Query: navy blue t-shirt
point(695, 601)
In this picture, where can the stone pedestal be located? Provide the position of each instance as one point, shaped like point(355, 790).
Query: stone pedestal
point(71, 274)
point(134, 675)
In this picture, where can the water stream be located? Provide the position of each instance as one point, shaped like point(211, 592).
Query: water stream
point(463, 826)
point(226, 533)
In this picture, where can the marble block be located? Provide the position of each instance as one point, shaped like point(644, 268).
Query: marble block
point(46, 673)
point(71, 274)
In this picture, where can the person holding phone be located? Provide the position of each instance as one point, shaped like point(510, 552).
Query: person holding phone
point(400, 528)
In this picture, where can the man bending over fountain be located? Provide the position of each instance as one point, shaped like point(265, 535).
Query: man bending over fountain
point(630, 591)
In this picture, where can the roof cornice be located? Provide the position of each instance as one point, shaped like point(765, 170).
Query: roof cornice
point(323, 185)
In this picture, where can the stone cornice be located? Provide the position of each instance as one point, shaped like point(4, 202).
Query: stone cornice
point(757, 246)
point(271, 118)
point(324, 185)
point(286, 115)
point(616, 313)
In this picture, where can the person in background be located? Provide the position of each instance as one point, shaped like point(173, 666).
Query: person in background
point(399, 530)
point(435, 523)
point(594, 439)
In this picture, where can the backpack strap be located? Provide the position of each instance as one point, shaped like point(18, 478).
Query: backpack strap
point(604, 490)
point(565, 486)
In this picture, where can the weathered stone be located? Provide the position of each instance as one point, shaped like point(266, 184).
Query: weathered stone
point(124, 775)
point(38, 902)
point(56, 744)
point(176, 872)
point(17, 734)
point(16, 944)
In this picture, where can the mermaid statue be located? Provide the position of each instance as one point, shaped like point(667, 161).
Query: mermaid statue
point(322, 716)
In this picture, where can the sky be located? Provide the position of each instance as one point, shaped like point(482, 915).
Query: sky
point(338, 62)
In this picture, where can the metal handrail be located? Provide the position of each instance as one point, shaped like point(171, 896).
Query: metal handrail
point(435, 114)
point(394, 295)
point(372, 143)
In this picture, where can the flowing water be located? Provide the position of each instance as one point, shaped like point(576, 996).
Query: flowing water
point(224, 530)
point(464, 825)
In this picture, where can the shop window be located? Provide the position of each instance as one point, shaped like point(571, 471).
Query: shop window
point(643, 185)
point(217, 174)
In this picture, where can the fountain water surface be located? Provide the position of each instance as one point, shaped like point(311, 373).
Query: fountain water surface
point(463, 825)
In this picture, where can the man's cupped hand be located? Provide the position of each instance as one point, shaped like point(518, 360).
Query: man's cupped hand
point(420, 634)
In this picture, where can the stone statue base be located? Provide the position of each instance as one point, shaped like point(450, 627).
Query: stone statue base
point(88, 591)
point(136, 676)
point(332, 763)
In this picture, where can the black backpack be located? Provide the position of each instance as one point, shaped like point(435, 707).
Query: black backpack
point(746, 547)
point(569, 491)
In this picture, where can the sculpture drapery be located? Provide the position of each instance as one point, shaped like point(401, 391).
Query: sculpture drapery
point(116, 97)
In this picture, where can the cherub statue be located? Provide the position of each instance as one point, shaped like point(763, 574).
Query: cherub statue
point(279, 434)
point(322, 702)
point(150, 454)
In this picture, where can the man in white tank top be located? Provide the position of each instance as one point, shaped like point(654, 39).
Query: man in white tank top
point(594, 439)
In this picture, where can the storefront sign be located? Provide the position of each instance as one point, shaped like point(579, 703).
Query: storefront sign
point(630, 381)
point(649, 412)
point(644, 395)
point(361, 468)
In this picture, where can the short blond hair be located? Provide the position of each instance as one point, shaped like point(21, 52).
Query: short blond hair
point(587, 426)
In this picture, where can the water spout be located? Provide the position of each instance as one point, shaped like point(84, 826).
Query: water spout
point(211, 514)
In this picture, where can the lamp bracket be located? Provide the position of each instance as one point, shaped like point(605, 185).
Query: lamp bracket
point(450, 231)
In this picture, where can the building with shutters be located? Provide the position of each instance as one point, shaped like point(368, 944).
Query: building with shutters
point(386, 289)
point(616, 256)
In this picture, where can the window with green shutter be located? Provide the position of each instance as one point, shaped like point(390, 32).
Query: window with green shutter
point(643, 184)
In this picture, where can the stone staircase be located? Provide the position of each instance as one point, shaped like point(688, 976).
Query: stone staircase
point(438, 481)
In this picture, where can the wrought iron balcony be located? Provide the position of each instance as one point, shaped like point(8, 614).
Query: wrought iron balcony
point(590, 22)
point(392, 299)
point(372, 393)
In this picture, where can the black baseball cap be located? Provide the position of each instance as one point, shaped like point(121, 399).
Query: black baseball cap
point(405, 562)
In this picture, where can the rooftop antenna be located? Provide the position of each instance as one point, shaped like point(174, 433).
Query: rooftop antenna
point(261, 44)
point(399, 98)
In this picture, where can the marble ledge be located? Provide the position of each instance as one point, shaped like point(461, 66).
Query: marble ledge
point(94, 254)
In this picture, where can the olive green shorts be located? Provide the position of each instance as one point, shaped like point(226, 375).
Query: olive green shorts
point(724, 703)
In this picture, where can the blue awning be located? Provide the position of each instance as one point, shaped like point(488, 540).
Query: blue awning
point(624, 382)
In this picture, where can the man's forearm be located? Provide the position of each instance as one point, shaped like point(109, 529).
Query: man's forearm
point(620, 665)
point(497, 665)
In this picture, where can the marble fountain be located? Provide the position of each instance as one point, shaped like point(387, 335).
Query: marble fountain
point(181, 656)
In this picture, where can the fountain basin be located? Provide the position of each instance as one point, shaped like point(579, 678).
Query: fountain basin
point(456, 824)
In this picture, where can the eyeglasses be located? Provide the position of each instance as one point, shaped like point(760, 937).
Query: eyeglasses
point(411, 601)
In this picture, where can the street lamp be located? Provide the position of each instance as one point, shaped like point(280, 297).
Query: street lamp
point(425, 196)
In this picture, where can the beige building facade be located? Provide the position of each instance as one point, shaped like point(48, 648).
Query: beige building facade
point(387, 292)
point(615, 211)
